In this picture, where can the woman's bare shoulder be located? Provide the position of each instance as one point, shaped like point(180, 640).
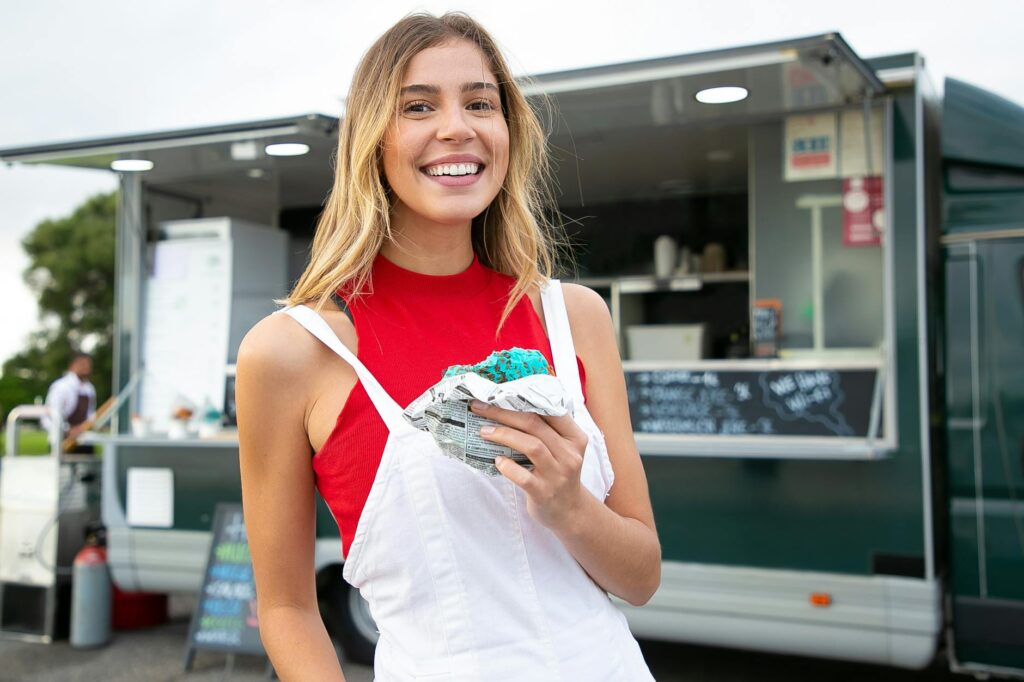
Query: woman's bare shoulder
point(279, 346)
point(589, 319)
point(583, 300)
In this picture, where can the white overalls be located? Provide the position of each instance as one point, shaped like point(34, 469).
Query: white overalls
point(463, 584)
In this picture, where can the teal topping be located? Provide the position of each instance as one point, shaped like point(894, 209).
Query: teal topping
point(505, 365)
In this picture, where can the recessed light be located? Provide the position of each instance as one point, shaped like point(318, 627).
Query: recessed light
point(255, 173)
point(244, 151)
point(131, 165)
point(287, 149)
point(722, 95)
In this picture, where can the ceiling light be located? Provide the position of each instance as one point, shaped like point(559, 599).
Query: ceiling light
point(245, 150)
point(287, 149)
point(131, 165)
point(255, 173)
point(722, 95)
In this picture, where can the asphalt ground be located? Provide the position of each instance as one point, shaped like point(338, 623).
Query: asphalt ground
point(157, 654)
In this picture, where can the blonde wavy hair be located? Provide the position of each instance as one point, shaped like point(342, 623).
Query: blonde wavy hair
point(519, 234)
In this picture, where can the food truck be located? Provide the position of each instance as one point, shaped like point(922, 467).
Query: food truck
point(815, 267)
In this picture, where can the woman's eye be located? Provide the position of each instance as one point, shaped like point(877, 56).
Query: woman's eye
point(424, 107)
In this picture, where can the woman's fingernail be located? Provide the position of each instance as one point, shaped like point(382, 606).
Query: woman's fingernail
point(477, 405)
point(486, 430)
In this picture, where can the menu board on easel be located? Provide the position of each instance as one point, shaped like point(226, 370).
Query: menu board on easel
point(225, 615)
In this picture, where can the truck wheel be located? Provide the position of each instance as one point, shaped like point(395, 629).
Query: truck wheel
point(347, 616)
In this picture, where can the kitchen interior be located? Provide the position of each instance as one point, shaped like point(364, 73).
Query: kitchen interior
point(682, 214)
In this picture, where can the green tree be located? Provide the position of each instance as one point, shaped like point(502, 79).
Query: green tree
point(14, 391)
point(71, 272)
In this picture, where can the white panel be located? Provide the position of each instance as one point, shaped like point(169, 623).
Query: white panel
point(877, 619)
point(185, 341)
point(157, 560)
point(21, 531)
point(174, 561)
point(150, 497)
point(28, 510)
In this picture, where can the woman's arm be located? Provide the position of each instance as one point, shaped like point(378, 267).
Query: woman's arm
point(615, 542)
point(278, 497)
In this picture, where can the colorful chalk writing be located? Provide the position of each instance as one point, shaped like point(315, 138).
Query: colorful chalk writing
point(225, 617)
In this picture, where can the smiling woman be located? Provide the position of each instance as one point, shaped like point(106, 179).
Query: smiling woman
point(436, 237)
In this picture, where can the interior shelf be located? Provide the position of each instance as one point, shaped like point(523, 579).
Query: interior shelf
point(640, 284)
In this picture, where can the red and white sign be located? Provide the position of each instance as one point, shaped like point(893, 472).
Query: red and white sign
point(811, 147)
point(863, 211)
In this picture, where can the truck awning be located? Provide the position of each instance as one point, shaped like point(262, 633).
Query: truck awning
point(223, 160)
point(99, 152)
point(788, 76)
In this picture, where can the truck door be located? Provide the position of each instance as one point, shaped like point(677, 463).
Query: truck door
point(983, 240)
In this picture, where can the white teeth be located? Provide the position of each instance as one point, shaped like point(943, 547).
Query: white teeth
point(454, 169)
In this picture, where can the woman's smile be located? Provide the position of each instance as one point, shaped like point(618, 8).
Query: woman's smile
point(455, 170)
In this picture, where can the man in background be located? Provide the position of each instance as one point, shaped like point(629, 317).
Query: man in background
point(73, 397)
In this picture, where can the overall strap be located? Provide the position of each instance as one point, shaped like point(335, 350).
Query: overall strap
point(389, 410)
point(563, 351)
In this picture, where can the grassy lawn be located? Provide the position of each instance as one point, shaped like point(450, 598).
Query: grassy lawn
point(33, 442)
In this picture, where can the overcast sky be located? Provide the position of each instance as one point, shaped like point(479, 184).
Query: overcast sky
point(74, 70)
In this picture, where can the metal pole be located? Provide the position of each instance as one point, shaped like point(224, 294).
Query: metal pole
point(130, 253)
point(817, 287)
point(815, 203)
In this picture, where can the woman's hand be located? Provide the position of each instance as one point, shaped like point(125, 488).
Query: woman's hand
point(555, 445)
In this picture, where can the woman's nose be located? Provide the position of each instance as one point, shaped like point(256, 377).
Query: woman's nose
point(454, 126)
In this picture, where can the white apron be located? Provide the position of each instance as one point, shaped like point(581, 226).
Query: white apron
point(463, 584)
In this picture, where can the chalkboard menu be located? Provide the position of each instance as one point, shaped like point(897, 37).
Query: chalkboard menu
point(225, 616)
point(819, 402)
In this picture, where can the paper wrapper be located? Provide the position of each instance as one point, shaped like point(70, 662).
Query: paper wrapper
point(443, 410)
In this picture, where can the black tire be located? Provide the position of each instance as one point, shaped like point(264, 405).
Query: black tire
point(346, 616)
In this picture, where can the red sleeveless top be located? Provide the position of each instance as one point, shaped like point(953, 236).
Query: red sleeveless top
point(410, 329)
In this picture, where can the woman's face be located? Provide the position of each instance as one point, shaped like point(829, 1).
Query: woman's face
point(446, 151)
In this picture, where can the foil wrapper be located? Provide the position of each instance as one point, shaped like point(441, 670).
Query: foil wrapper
point(443, 410)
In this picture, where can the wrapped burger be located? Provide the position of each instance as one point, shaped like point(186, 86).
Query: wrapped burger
point(514, 379)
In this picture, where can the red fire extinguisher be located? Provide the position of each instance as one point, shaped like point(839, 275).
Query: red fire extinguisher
point(91, 593)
